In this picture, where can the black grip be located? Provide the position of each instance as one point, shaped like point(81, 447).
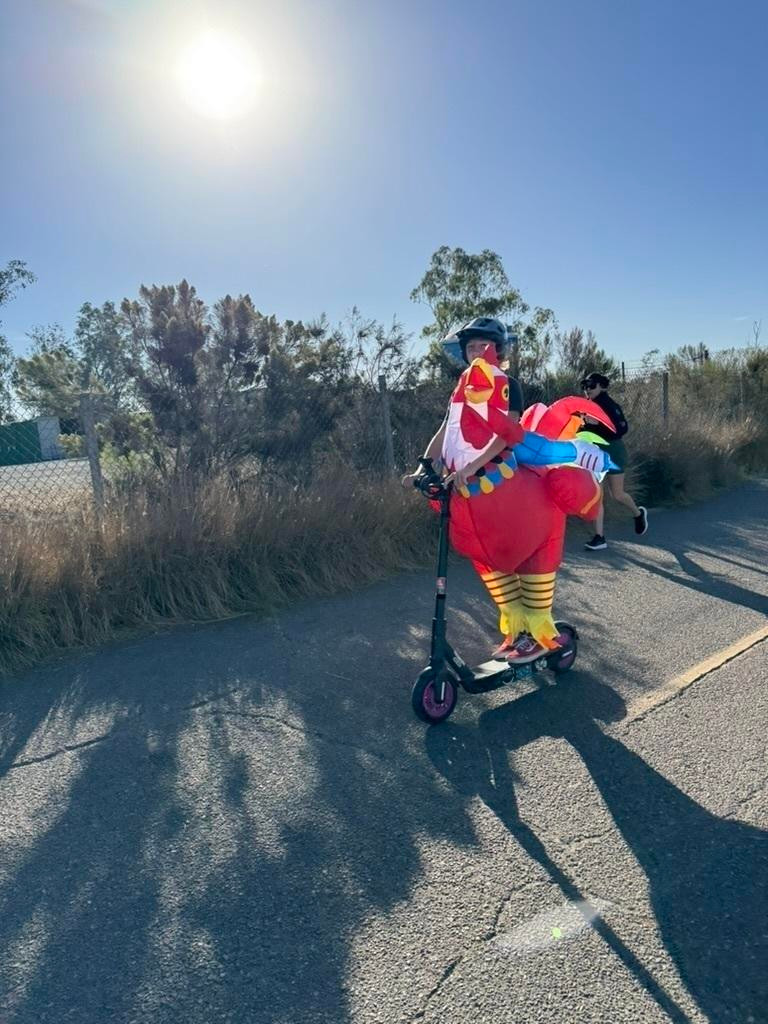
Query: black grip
point(427, 480)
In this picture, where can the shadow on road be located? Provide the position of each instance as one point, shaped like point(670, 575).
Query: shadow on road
point(706, 875)
point(709, 532)
point(260, 794)
point(701, 580)
point(75, 913)
point(210, 859)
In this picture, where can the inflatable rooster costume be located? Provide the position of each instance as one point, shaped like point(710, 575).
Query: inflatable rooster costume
point(508, 515)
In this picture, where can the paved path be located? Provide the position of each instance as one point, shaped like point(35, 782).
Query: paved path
point(244, 822)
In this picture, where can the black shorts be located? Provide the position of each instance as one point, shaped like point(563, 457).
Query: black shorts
point(618, 452)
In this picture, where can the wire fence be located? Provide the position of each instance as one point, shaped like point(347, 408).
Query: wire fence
point(48, 466)
point(41, 473)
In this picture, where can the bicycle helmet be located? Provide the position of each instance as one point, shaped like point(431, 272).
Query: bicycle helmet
point(486, 327)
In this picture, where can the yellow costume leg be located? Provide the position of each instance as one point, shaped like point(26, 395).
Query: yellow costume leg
point(506, 593)
point(537, 595)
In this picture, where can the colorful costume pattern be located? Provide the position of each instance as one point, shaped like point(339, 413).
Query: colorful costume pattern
point(509, 519)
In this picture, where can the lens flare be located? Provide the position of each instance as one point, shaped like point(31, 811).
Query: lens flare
point(551, 926)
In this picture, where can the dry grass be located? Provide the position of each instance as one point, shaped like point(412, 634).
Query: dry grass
point(196, 556)
point(186, 555)
point(697, 454)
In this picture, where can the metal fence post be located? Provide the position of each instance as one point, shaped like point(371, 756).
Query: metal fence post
point(665, 397)
point(389, 451)
point(92, 449)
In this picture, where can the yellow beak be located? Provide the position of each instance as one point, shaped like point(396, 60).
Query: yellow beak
point(478, 395)
point(480, 383)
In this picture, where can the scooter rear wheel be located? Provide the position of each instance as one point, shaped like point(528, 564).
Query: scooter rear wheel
point(564, 661)
point(424, 698)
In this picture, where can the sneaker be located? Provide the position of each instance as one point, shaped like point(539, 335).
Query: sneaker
point(526, 649)
point(500, 653)
point(641, 521)
point(597, 543)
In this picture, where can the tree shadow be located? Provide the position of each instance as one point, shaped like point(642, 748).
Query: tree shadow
point(214, 854)
point(709, 530)
point(721, 557)
point(252, 802)
point(706, 875)
point(77, 908)
point(701, 580)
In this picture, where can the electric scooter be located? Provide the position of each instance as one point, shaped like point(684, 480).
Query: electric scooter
point(436, 690)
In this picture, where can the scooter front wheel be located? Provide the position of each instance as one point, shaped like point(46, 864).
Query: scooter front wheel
point(425, 697)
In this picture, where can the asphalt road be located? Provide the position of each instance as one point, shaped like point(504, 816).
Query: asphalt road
point(244, 821)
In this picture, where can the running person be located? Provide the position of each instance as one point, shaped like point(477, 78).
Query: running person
point(595, 386)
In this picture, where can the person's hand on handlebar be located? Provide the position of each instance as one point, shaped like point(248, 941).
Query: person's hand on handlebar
point(459, 477)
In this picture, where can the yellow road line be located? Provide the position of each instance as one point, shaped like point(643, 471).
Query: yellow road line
point(640, 707)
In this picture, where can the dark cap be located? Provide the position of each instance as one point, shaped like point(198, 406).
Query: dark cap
point(595, 378)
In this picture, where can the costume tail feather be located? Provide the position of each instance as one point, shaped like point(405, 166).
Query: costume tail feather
point(575, 491)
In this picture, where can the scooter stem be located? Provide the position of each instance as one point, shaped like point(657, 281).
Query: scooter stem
point(438, 650)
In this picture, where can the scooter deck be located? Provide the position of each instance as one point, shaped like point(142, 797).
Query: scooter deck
point(491, 669)
point(493, 674)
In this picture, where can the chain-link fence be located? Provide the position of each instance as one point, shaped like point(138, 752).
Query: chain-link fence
point(657, 395)
point(48, 465)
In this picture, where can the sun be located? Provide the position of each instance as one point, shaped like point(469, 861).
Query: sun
point(217, 76)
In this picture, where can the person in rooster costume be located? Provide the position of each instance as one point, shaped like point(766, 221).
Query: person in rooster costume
point(513, 487)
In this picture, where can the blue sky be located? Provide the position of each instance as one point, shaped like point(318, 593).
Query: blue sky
point(614, 155)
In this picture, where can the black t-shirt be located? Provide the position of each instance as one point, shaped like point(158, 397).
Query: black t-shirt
point(515, 395)
point(615, 414)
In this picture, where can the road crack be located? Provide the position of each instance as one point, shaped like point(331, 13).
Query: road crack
point(574, 844)
point(316, 734)
point(448, 971)
point(130, 716)
point(493, 931)
point(67, 748)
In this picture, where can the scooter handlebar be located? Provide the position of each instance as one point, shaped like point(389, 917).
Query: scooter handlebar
point(428, 481)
